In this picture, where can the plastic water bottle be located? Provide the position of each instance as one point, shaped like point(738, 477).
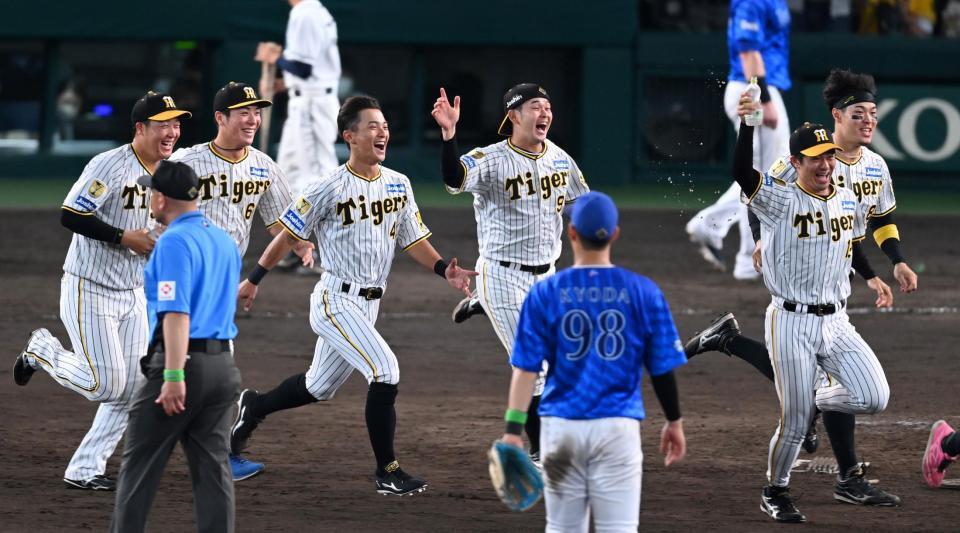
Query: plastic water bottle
point(755, 118)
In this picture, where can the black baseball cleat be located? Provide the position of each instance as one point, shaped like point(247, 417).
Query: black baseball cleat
point(101, 483)
point(853, 487)
point(776, 502)
point(22, 371)
point(714, 338)
point(246, 422)
point(399, 483)
point(811, 441)
point(466, 309)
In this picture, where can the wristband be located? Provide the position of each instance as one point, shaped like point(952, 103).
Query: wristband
point(440, 268)
point(764, 90)
point(173, 375)
point(514, 428)
point(119, 237)
point(515, 415)
point(257, 274)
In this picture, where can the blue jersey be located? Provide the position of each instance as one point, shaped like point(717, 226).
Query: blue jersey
point(194, 269)
point(762, 26)
point(597, 327)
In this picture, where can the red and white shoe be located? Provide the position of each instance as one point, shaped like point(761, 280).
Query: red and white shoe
point(935, 461)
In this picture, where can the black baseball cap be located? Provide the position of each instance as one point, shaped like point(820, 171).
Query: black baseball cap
point(514, 98)
point(811, 140)
point(236, 95)
point(156, 106)
point(174, 179)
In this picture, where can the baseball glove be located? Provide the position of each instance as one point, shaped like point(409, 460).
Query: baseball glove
point(515, 478)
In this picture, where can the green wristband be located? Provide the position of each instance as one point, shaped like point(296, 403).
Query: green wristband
point(173, 375)
point(515, 415)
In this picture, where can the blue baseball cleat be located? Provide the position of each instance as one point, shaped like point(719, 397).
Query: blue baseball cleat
point(244, 469)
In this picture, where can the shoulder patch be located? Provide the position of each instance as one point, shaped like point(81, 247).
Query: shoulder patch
point(303, 206)
point(468, 161)
point(778, 168)
point(477, 154)
point(166, 291)
point(96, 189)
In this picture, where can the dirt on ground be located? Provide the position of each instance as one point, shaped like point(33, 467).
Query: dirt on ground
point(319, 466)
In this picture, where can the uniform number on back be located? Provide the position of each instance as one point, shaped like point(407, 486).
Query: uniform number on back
point(578, 328)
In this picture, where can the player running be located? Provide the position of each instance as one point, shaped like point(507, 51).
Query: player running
point(102, 303)
point(361, 212)
point(811, 233)
point(598, 326)
point(520, 188)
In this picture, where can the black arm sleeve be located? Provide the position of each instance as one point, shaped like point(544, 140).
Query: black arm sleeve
point(90, 226)
point(743, 172)
point(891, 244)
point(450, 167)
point(754, 224)
point(665, 386)
point(860, 262)
point(297, 68)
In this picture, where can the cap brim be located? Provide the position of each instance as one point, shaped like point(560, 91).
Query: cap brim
point(814, 151)
point(170, 114)
point(258, 103)
point(145, 181)
point(505, 126)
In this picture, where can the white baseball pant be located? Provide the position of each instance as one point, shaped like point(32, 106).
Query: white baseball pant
point(307, 141)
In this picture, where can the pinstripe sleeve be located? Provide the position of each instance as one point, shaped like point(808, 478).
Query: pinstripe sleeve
point(477, 168)
point(277, 196)
point(410, 226)
point(94, 186)
point(771, 200)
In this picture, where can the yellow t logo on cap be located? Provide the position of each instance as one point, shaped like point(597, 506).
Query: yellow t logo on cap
point(168, 102)
point(821, 135)
point(248, 92)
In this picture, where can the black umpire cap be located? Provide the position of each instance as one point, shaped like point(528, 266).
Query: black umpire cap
point(156, 106)
point(174, 179)
point(236, 95)
point(514, 98)
point(811, 140)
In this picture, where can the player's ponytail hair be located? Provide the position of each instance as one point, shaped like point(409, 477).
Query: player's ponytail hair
point(349, 115)
point(842, 83)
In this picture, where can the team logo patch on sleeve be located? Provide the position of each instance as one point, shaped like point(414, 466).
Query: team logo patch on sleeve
point(778, 168)
point(396, 187)
point(97, 188)
point(561, 164)
point(293, 220)
point(257, 172)
point(303, 206)
point(469, 161)
point(166, 291)
point(85, 203)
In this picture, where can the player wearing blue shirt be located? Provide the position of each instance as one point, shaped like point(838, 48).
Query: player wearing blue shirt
point(598, 326)
point(190, 283)
point(758, 39)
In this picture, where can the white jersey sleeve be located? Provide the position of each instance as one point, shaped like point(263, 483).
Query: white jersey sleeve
point(771, 201)
point(410, 227)
point(886, 199)
point(277, 197)
point(577, 182)
point(308, 210)
point(479, 170)
point(95, 185)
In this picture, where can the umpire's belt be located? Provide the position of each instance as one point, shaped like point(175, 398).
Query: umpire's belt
point(203, 346)
point(819, 310)
point(533, 269)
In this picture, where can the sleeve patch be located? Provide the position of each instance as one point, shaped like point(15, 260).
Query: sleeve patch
point(469, 161)
point(778, 168)
point(85, 203)
point(96, 189)
point(166, 291)
point(293, 220)
point(303, 206)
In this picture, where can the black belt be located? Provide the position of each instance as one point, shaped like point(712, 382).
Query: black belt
point(819, 310)
point(207, 346)
point(298, 92)
point(533, 269)
point(370, 293)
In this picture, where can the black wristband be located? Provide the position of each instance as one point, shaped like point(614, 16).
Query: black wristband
point(119, 238)
point(257, 274)
point(764, 90)
point(514, 428)
point(440, 268)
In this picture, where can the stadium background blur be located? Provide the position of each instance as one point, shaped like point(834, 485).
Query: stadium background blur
point(636, 85)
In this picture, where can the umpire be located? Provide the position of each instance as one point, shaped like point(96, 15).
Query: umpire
point(192, 383)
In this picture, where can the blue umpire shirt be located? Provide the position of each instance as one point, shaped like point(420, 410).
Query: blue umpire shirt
point(597, 327)
point(194, 269)
point(762, 26)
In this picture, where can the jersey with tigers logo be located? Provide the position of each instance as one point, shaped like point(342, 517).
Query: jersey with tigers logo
point(807, 240)
point(231, 191)
point(359, 222)
point(868, 177)
point(108, 190)
point(519, 198)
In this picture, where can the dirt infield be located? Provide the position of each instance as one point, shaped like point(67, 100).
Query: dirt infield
point(453, 389)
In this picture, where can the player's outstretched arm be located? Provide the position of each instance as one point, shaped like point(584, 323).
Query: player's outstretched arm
point(521, 390)
point(673, 443)
point(303, 249)
point(459, 278)
point(446, 115)
point(743, 171)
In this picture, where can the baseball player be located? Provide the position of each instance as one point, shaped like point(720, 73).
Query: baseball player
point(236, 181)
point(811, 233)
point(102, 303)
point(361, 212)
point(521, 187)
point(758, 38)
point(943, 448)
point(598, 326)
point(851, 98)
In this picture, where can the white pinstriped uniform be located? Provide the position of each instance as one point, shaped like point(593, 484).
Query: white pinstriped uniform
point(807, 243)
point(102, 306)
point(359, 223)
point(518, 201)
point(231, 191)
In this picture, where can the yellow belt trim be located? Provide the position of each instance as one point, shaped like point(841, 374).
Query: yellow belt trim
point(776, 374)
point(889, 231)
point(326, 309)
